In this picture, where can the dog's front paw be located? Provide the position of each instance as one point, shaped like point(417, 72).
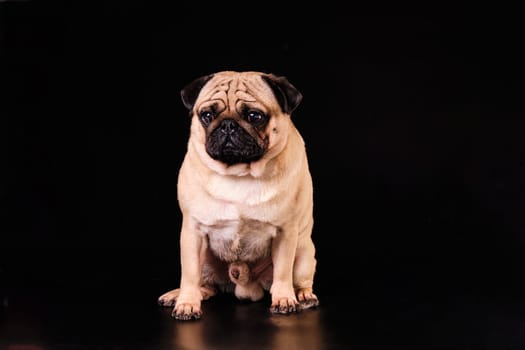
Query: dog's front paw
point(187, 311)
point(284, 305)
point(307, 299)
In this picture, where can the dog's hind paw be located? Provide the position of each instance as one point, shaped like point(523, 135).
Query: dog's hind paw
point(168, 299)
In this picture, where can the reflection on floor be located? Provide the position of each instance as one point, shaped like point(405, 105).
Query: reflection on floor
point(374, 315)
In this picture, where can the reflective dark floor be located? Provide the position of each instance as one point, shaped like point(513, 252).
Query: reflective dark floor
point(377, 314)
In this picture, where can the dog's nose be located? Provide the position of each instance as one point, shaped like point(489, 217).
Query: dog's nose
point(228, 126)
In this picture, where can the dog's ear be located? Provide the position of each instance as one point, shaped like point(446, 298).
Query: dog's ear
point(191, 91)
point(286, 94)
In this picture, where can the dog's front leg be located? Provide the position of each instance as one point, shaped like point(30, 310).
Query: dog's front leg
point(283, 256)
point(188, 304)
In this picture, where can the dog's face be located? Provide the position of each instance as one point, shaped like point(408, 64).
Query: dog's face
point(240, 114)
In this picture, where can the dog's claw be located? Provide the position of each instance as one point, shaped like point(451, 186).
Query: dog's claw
point(285, 306)
point(166, 303)
point(287, 309)
point(307, 304)
point(168, 299)
point(307, 299)
point(186, 312)
point(283, 310)
point(186, 316)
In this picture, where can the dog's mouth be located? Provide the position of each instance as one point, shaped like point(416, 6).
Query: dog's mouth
point(234, 146)
point(233, 151)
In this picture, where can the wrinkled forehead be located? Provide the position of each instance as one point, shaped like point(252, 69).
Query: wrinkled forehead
point(229, 91)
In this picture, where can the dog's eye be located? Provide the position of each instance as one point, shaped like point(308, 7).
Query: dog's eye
point(255, 117)
point(206, 117)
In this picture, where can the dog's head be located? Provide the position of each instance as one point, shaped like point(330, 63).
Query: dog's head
point(241, 114)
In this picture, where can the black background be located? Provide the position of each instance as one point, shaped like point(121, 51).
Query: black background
point(412, 118)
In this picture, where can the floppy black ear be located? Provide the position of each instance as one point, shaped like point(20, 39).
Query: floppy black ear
point(191, 91)
point(286, 94)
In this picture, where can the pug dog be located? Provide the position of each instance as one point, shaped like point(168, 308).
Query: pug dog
point(246, 196)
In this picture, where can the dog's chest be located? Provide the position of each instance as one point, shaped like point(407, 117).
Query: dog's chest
point(239, 240)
